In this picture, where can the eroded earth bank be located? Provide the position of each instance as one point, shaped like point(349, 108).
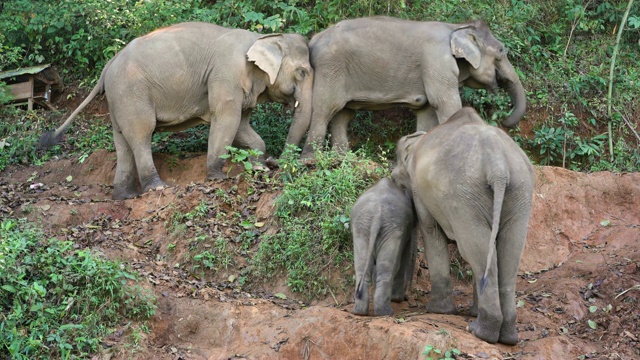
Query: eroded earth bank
point(577, 292)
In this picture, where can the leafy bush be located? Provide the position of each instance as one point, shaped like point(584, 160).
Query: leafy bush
point(19, 138)
point(314, 240)
point(562, 50)
point(58, 302)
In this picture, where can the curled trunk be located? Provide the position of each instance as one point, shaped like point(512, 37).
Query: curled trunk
point(508, 79)
point(302, 113)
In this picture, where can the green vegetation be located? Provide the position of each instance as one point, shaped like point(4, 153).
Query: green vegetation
point(59, 302)
point(314, 240)
point(561, 49)
point(432, 353)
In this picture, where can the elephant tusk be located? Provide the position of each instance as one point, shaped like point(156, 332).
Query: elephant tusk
point(296, 104)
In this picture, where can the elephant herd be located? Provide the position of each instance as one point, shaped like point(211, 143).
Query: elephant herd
point(462, 180)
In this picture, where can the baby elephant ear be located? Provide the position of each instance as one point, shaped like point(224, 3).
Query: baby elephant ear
point(466, 44)
point(267, 53)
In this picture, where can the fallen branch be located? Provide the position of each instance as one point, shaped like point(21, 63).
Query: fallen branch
point(636, 287)
point(626, 121)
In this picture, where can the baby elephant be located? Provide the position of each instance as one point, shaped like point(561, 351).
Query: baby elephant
point(471, 183)
point(382, 224)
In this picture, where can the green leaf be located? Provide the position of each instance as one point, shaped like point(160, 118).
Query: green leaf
point(69, 178)
point(593, 308)
point(9, 288)
point(592, 324)
point(427, 349)
point(280, 296)
point(605, 222)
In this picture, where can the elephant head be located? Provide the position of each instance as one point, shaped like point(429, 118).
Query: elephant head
point(400, 172)
point(285, 60)
point(486, 65)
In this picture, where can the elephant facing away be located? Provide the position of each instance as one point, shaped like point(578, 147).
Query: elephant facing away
point(383, 229)
point(471, 183)
point(380, 62)
point(189, 74)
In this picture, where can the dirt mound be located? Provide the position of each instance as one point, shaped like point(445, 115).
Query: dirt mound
point(577, 293)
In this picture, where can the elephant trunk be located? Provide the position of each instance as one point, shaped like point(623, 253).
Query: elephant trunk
point(302, 113)
point(508, 79)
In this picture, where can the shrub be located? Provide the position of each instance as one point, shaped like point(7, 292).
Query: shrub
point(58, 301)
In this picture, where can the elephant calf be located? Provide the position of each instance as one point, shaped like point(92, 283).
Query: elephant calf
point(471, 183)
point(382, 224)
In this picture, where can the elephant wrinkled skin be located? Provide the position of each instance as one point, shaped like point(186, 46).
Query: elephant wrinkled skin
point(471, 183)
point(383, 224)
point(380, 62)
point(189, 74)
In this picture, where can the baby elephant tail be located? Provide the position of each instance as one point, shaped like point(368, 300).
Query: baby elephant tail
point(499, 187)
point(374, 229)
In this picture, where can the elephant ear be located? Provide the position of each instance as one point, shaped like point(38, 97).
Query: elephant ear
point(465, 44)
point(267, 54)
point(408, 142)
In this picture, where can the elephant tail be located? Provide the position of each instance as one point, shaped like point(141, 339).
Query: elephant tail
point(52, 138)
point(499, 188)
point(374, 230)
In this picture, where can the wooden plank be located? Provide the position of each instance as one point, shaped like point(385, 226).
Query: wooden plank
point(21, 91)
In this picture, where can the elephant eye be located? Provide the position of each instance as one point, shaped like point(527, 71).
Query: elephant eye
point(301, 74)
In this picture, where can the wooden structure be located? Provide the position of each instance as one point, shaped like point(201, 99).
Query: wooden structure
point(32, 85)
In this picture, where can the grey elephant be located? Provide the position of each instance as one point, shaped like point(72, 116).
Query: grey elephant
point(382, 225)
point(189, 74)
point(381, 62)
point(471, 183)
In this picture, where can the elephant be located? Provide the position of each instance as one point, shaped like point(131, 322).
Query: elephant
point(194, 73)
point(471, 184)
point(380, 62)
point(383, 229)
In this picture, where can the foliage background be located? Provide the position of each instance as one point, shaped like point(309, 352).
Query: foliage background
point(562, 50)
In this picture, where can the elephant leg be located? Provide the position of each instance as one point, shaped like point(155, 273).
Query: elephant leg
point(360, 252)
point(136, 124)
point(510, 245)
point(247, 138)
point(445, 97)
point(437, 252)
point(426, 118)
point(387, 268)
point(318, 129)
point(404, 275)
point(472, 240)
point(473, 311)
point(225, 122)
point(339, 125)
point(125, 185)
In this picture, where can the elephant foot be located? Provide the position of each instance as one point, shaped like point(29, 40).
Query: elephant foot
point(473, 310)
point(123, 194)
point(398, 298)
point(382, 310)
point(157, 185)
point(216, 175)
point(441, 307)
point(508, 334)
point(482, 332)
point(360, 309)
point(272, 163)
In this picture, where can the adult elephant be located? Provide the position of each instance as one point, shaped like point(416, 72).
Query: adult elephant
point(193, 73)
point(380, 62)
point(471, 183)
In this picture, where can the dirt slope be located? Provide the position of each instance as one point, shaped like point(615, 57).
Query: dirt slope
point(582, 251)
